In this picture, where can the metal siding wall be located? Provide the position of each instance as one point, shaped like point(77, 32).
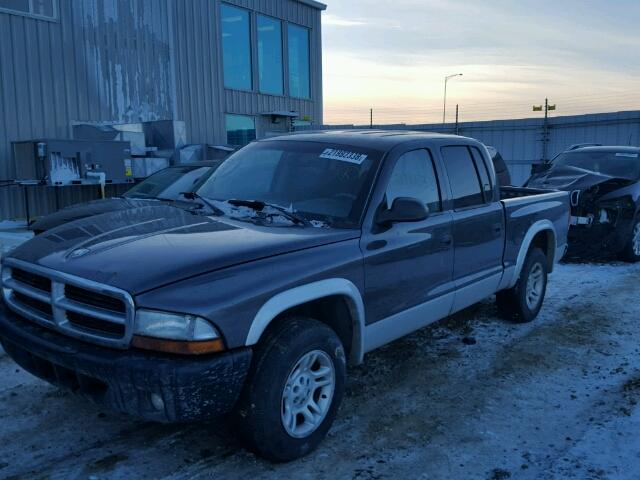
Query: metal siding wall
point(104, 60)
point(128, 60)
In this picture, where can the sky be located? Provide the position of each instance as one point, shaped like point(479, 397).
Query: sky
point(392, 56)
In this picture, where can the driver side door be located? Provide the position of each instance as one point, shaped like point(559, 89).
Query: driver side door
point(408, 265)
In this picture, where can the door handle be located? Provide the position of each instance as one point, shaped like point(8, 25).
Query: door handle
point(497, 227)
point(446, 239)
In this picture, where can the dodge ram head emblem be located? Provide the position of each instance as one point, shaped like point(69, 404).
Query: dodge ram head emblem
point(79, 252)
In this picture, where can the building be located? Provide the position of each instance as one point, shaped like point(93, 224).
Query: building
point(233, 70)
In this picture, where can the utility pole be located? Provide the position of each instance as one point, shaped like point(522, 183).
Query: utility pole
point(444, 108)
point(371, 118)
point(545, 127)
point(456, 119)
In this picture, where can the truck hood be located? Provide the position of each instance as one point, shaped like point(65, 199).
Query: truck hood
point(571, 178)
point(144, 248)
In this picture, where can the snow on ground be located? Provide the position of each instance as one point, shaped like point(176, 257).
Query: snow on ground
point(472, 397)
point(12, 234)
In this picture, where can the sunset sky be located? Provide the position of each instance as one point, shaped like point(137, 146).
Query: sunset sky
point(392, 56)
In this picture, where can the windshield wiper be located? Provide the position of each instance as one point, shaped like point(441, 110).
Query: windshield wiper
point(205, 200)
point(259, 206)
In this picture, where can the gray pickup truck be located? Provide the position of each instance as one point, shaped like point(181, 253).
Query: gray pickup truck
point(308, 252)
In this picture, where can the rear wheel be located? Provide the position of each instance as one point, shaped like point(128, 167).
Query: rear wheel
point(293, 390)
point(631, 251)
point(523, 302)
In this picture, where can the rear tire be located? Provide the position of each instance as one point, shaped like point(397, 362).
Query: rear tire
point(293, 390)
point(631, 252)
point(523, 302)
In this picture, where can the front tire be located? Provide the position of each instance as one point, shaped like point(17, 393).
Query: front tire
point(631, 252)
point(523, 302)
point(293, 390)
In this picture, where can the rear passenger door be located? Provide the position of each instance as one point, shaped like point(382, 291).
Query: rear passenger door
point(478, 225)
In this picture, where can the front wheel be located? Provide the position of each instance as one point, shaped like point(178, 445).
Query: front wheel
point(631, 251)
point(293, 390)
point(523, 302)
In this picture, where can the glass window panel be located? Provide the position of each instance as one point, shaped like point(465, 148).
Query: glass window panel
point(483, 170)
point(17, 5)
point(270, 55)
point(298, 40)
point(413, 176)
point(43, 7)
point(463, 177)
point(236, 47)
point(241, 129)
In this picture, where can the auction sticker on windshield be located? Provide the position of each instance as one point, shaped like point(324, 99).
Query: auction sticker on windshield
point(343, 155)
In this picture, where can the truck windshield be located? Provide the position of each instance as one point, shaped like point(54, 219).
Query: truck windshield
point(614, 164)
point(319, 181)
point(169, 183)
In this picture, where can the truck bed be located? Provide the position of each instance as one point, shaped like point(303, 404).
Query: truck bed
point(523, 207)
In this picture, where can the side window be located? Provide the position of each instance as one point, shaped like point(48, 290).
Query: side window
point(463, 177)
point(414, 176)
point(483, 170)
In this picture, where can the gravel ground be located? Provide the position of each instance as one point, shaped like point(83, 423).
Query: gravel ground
point(471, 397)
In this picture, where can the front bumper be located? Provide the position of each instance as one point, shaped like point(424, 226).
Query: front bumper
point(599, 238)
point(153, 386)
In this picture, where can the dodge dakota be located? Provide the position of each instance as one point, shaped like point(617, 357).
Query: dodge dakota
point(308, 252)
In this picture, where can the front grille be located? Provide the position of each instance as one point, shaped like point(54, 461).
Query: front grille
point(42, 307)
point(95, 324)
point(31, 279)
point(76, 307)
point(94, 299)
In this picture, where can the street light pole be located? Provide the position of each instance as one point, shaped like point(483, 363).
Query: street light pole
point(444, 108)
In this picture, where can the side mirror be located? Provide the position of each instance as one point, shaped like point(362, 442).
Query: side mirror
point(404, 209)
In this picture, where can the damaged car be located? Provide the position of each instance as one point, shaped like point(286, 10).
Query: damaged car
point(604, 184)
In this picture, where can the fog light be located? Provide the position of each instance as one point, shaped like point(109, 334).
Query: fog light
point(157, 402)
point(604, 216)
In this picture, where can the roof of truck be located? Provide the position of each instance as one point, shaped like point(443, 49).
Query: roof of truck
point(367, 138)
point(608, 148)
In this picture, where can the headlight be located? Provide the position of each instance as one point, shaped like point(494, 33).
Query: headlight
point(175, 333)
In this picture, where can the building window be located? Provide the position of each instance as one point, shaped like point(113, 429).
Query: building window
point(241, 129)
point(270, 55)
point(236, 47)
point(298, 39)
point(44, 9)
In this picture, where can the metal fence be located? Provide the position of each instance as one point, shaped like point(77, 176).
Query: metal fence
point(521, 142)
point(39, 200)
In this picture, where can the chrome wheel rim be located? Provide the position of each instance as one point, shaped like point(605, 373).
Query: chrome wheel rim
point(308, 393)
point(635, 241)
point(535, 286)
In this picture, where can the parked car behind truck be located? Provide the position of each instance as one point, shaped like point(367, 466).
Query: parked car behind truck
point(167, 185)
point(604, 183)
point(313, 250)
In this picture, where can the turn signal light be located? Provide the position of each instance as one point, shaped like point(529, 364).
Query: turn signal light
point(178, 347)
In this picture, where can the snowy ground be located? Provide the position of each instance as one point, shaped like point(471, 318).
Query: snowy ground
point(472, 397)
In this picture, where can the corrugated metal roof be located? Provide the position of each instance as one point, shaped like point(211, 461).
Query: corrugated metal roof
point(314, 4)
